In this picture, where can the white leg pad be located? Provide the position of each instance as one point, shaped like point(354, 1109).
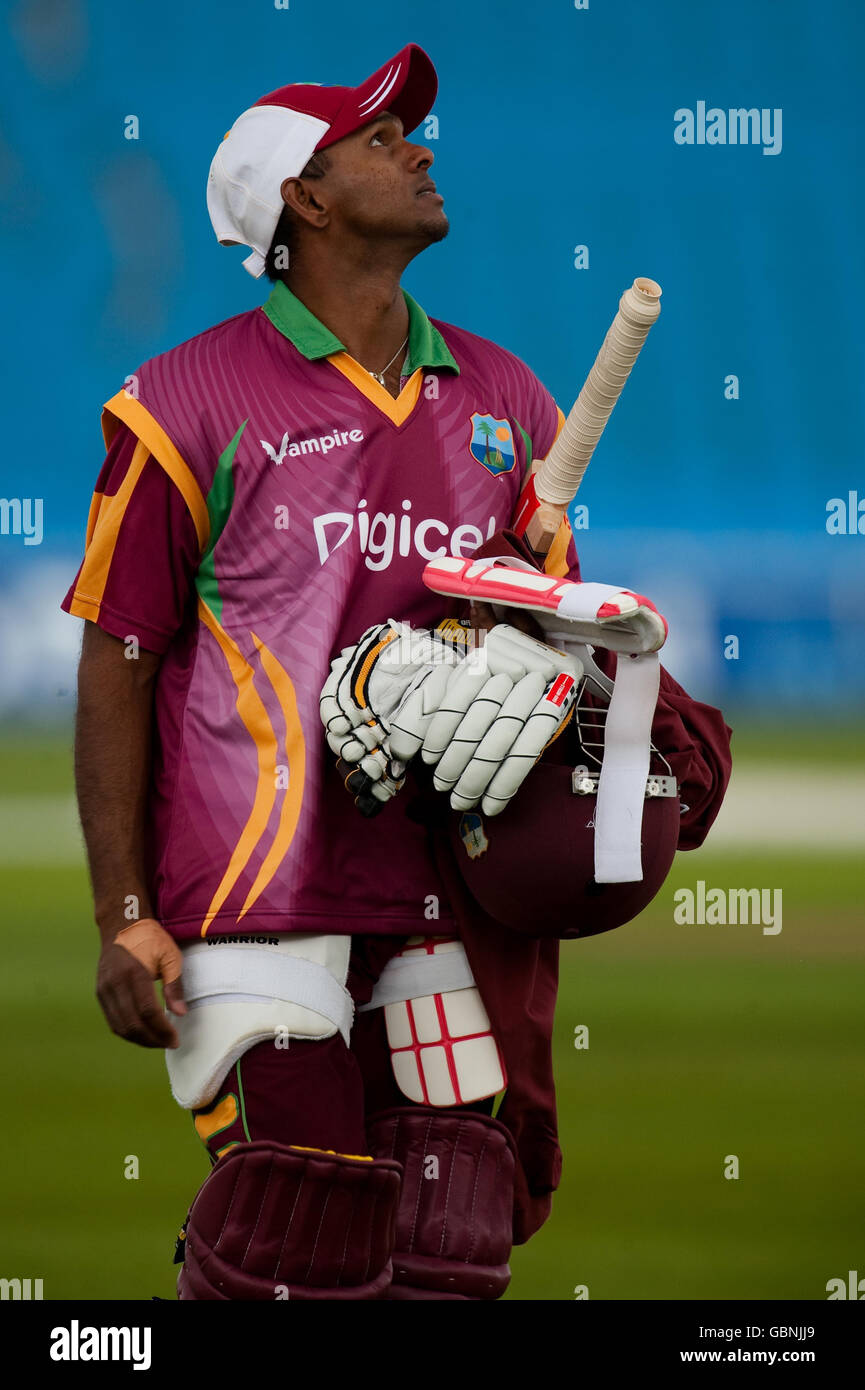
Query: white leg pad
point(244, 992)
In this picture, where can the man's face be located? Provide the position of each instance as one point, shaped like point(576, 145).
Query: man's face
point(378, 185)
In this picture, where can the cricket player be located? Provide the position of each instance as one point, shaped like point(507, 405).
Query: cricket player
point(341, 1010)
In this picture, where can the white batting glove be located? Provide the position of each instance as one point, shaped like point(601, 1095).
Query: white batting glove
point(485, 723)
point(368, 681)
point(374, 782)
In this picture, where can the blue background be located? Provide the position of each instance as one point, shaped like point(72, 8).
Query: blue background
point(556, 129)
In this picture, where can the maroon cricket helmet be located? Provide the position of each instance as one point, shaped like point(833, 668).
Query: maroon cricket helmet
point(531, 867)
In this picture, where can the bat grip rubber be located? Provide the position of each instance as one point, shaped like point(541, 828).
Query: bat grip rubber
point(559, 476)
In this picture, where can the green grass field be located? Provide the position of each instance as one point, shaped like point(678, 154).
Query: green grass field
point(704, 1042)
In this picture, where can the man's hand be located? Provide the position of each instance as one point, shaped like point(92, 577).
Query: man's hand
point(113, 734)
point(128, 966)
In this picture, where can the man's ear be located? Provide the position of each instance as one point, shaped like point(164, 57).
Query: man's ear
point(300, 199)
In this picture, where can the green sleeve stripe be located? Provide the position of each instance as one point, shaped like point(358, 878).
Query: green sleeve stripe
point(220, 499)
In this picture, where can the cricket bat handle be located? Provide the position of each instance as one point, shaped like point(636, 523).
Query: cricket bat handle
point(554, 482)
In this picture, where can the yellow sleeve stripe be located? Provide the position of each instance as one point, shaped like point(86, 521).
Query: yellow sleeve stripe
point(126, 408)
point(103, 527)
point(93, 515)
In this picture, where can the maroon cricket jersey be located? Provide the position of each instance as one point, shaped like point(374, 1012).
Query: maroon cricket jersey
point(264, 500)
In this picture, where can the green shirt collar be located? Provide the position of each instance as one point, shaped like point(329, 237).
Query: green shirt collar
point(426, 346)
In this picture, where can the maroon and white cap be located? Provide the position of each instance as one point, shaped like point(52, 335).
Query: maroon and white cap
point(275, 138)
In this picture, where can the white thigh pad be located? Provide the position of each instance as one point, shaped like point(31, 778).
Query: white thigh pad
point(242, 992)
point(442, 1047)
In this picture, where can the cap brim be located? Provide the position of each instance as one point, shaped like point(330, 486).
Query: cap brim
point(406, 85)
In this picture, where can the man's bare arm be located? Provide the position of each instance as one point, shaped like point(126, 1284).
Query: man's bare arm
point(112, 773)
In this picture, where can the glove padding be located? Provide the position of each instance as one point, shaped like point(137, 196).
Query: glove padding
point(485, 723)
point(367, 682)
point(483, 719)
